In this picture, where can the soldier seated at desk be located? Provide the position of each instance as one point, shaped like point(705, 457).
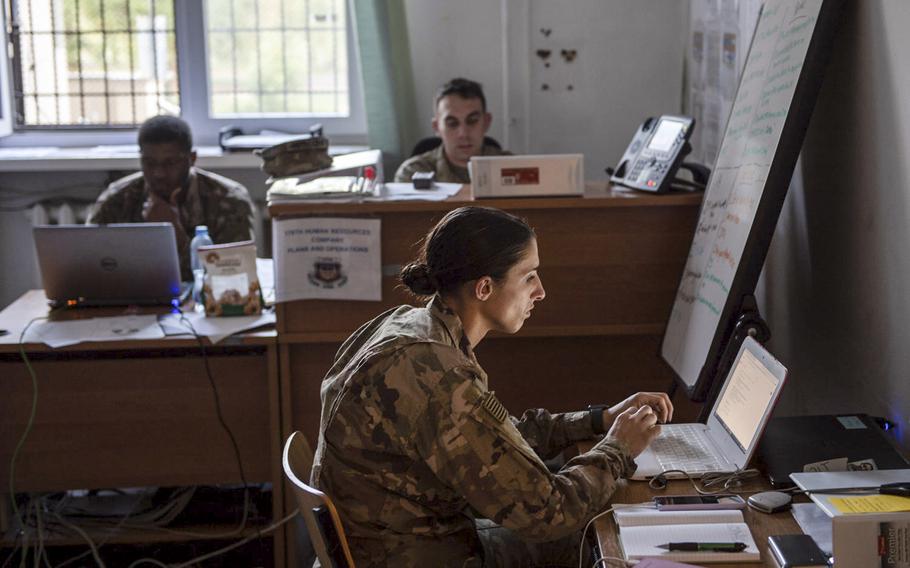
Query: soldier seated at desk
point(170, 189)
point(423, 463)
point(461, 120)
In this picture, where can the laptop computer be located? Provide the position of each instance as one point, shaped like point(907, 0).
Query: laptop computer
point(106, 265)
point(791, 443)
point(729, 438)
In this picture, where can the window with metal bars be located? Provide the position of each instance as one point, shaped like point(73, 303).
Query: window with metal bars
point(92, 63)
point(104, 64)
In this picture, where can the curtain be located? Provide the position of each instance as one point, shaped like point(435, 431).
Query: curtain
point(388, 84)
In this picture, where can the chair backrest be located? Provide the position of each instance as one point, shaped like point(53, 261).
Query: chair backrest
point(316, 508)
point(431, 142)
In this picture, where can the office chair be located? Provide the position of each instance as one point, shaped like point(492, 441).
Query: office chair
point(431, 142)
point(316, 508)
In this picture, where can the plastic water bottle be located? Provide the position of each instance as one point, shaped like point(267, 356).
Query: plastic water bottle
point(201, 238)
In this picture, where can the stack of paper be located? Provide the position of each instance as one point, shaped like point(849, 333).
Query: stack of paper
point(867, 530)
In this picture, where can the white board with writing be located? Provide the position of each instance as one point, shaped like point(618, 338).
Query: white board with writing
point(751, 142)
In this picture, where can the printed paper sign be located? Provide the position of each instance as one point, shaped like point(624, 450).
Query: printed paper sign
point(327, 258)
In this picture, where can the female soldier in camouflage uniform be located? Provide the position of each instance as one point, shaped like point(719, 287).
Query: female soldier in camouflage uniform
point(424, 464)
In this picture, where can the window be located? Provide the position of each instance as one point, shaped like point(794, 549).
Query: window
point(103, 65)
point(83, 63)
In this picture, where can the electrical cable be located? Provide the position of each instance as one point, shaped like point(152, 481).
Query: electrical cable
point(584, 532)
point(85, 537)
point(29, 423)
point(222, 550)
point(731, 481)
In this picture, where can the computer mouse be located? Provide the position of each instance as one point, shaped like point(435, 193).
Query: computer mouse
point(770, 501)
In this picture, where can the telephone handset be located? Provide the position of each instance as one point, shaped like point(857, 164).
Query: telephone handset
point(655, 153)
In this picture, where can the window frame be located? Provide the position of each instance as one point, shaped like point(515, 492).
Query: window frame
point(192, 61)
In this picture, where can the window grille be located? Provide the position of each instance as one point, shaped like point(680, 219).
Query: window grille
point(277, 57)
point(92, 63)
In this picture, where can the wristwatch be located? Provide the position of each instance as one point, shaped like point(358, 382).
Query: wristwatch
point(597, 417)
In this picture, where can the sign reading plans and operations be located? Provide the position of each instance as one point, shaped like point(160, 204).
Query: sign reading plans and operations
point(327, 258)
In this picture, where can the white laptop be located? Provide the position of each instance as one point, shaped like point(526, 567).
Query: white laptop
point(726, 443)
point(118, 264)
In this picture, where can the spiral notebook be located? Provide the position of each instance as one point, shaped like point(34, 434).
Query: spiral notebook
point(642, 529)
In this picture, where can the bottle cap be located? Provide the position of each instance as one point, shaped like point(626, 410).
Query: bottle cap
point(202, 229)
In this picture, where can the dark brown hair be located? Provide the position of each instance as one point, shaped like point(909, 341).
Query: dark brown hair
point(464, 88)
point(166, 129)
point(466, 244)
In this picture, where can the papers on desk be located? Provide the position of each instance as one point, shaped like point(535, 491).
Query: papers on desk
point(406, 192)
point(215, 329)
point(58, 334)
point(386, 192)
point(860, 538)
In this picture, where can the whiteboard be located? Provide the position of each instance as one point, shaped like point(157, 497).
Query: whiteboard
point(742, 202)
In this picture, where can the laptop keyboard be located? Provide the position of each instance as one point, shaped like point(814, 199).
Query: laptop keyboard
point(683, 446)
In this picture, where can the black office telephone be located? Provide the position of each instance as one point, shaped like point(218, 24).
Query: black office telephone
point(656, 153)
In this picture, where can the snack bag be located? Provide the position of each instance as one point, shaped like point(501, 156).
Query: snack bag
point(231, 285)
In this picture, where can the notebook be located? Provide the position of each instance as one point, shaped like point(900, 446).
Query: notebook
point(642, 529)
point(729, 438)
point(118, 264)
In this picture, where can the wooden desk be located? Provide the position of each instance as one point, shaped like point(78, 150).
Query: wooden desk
point(761, 524)
point(139, 413)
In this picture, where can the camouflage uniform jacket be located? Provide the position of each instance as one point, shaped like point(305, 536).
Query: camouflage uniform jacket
point(213, 200)
point(413, 446)
point(435, 161)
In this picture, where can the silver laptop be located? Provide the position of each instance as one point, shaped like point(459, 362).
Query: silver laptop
point(117, 264)
point(728, 440)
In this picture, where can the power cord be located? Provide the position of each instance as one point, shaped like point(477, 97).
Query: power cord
point(730, 481)
point(223, 422)
point(28, 425)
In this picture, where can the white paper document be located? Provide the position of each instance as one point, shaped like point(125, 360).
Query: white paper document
point(327, 258)
point(215, 329)
point(406, 192)
point(118, 328)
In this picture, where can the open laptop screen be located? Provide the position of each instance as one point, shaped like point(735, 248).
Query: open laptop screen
point(747, 398)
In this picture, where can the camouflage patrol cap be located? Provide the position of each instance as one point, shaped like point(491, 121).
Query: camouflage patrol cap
point(298, 156)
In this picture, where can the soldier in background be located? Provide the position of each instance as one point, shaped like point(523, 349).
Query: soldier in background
point(170, 189)
point(461, 120)
point(422, 461)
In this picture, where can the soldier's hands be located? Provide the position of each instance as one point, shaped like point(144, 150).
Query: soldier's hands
point(157, 210)
point(636, 428)
point(658, 401)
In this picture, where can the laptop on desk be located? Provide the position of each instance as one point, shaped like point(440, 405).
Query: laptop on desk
point(729, 438)
point(109, 265)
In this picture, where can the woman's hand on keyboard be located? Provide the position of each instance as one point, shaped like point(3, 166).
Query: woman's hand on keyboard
point(658, 401)
point(635, 428)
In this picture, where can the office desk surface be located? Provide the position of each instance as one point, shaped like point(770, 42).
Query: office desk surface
point(761, 524)
point(597, 194)
point(33, 304)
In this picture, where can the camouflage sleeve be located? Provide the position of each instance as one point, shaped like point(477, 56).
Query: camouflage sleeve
point(234, 220)
point(548, 434)
point(470, 443)
point(411, 165)
point(103, 210)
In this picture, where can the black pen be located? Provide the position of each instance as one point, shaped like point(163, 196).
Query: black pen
point(705, 546)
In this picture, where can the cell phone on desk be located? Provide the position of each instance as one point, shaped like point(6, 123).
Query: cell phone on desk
point(698, 502)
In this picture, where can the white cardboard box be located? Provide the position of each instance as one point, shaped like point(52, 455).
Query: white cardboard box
point(527, 176)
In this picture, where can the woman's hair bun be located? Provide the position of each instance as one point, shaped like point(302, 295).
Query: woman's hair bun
point(416, 276)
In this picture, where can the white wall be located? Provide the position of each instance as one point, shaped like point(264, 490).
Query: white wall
point(838, 274)
point(629, 65)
